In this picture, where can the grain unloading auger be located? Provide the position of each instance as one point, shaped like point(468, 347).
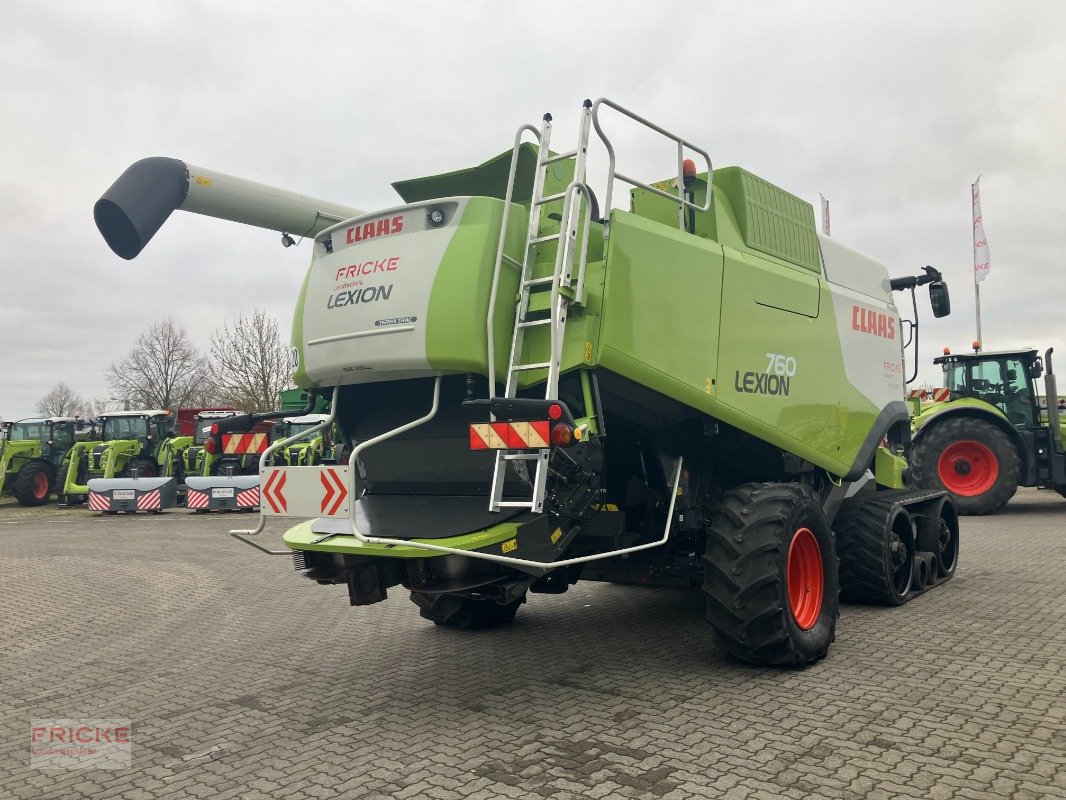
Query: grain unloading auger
point(699, 390)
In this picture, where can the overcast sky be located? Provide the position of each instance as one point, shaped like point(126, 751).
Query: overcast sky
point(889, 110)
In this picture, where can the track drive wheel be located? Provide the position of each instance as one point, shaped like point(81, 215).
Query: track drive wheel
point(459, 611)
point(972, 459)
point(146, 468)
point(770, 575)
point(33, 484)
point(875, 540)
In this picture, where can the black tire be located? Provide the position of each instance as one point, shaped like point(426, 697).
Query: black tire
point(467, 613)
point(746, 575)
point(33, 484)
point(875, 542)
point(932, 447)
point(146, 468)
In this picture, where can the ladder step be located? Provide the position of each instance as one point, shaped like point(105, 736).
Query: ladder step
point(534, 323)
point(524, 367)
point(538, 281)
point(558, 157)
point(515, 504)
point(549, 199)
point(521, 456)
point(549, 238)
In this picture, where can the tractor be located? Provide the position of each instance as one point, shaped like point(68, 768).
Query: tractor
point(35, 455)
point(305, 452)
point(991, 435)
point(133, 445)
point(537, 388)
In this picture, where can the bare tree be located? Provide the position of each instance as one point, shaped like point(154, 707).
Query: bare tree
point(60, 401)
point(250, 363)
point(163, 370)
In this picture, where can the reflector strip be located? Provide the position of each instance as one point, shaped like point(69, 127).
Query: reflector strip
point(249, 498)
point(149, 501)
point(244, 443)
point(510, 435)
point(195, 499)
point(941, 395)
point(99, 502)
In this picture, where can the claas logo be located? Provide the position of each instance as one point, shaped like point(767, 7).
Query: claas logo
point(371, 230)
point(867, 320)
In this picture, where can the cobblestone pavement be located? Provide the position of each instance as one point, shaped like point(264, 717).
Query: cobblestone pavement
point(244, 680)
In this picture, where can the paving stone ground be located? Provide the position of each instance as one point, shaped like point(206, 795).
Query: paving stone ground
point(244, 680)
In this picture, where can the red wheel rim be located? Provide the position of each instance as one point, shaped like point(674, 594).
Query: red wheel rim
point(40, 486)
point(968, 468)
point(805, 578)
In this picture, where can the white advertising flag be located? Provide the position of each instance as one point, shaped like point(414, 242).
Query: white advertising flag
point(981, 261)
point(825, 215)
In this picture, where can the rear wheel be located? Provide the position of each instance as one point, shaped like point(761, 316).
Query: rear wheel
point(972, 459)
point(468, 613)
point(770, 575)
point(33, 484)
point(875, 540)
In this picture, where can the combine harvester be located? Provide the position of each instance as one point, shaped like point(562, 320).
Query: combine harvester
point(696, 391)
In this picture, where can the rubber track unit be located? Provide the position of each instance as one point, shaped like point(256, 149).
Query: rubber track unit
point(925, 457)
point(467, 613)
point(861, 545)
point(745, 575)
point(25, 484)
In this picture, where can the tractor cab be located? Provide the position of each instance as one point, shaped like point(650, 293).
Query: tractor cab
point(56, 434)
point(147, 427)
point(1005, 379)
point(305, 452)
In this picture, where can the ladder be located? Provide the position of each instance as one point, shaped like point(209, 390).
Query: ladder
point(559, 286)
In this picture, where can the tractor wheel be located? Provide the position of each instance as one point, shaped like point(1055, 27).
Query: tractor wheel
point(972, 459)
point(33, 484)
point(146, 468)
point(875, 540)
point(770, 575)
point(468, 613)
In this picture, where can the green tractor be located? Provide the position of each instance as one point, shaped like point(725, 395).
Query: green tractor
point(697, 390)
point(133, 445)
point(35, 455)
point(306, 452)
point(991, 435)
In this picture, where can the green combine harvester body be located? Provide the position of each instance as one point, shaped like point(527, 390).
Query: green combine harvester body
point(36, 453)
point(696, 390)
point(992, 434)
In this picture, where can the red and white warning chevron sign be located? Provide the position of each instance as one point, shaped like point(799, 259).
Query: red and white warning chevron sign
point(919, 393)
point(244, 443)
point(306, 492)
point(510, 435)
point(99, 502)
point(249, 498)
point(334, 491)
point(274, 491)
point(197, 499)
point(941, 395)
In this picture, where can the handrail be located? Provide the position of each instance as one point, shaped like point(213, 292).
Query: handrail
point(491, 316)
point(519, 562)
point(682, 144)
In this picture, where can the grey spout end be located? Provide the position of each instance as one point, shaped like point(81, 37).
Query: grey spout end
point(130, 212)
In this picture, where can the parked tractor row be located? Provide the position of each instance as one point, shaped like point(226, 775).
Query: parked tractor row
point(111, 462)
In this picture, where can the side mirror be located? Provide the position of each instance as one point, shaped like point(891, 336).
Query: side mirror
point(939, 299)
point(1036, 369)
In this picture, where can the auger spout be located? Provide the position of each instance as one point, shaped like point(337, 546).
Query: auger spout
point(137, 204)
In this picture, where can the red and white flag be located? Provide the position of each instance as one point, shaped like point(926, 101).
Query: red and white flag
point(825, 215)
point(981, 260)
